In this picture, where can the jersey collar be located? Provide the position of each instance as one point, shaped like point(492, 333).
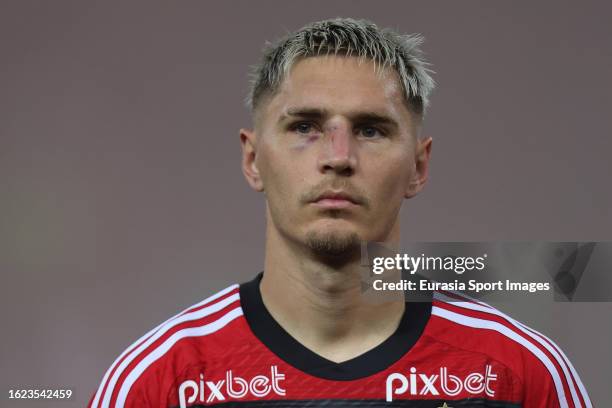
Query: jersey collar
point(272, 335)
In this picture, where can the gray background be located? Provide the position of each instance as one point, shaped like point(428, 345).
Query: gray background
point(122, 200)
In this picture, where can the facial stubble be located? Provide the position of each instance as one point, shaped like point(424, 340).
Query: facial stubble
point(334, 244)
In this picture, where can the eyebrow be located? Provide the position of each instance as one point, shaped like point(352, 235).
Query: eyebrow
point(304, 112)
point(356, 116)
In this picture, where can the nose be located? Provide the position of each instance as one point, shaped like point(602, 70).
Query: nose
point(338, 151)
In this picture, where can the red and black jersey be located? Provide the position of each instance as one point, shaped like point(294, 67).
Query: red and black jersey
point(228, 351)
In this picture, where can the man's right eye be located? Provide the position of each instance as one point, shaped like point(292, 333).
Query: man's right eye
point(303, 127)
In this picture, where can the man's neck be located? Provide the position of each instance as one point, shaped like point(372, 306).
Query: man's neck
point(322, 306)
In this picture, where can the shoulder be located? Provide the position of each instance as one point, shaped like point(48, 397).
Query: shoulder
point(152, 361)
point(546, 374)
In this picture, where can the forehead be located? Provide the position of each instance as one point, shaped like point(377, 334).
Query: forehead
point(340, 84)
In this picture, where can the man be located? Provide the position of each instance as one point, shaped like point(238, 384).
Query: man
point(336, 148)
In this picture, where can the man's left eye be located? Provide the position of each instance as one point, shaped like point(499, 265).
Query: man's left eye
point(370, 132)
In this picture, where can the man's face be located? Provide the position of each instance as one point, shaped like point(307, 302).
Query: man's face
point(336, 152)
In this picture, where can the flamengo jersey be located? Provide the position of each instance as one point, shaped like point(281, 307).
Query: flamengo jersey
point(228, 351)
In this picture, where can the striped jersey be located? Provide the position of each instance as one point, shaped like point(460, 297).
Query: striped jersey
point(449, 352)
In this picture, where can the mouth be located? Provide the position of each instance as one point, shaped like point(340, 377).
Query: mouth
point(335, 200)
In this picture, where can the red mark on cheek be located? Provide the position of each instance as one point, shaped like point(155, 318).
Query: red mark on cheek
point(306, 141)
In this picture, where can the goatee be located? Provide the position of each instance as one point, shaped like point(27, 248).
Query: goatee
point(334, 245)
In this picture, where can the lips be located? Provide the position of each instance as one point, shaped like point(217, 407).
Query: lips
point(335, 200)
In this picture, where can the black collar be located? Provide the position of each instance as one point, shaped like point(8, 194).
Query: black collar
point(270, 333)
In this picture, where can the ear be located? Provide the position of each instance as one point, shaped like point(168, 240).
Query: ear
point(419, 178)
point(249, 154)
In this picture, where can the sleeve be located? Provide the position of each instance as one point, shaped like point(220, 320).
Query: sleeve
point(131, 382)
point(142, 393)
point(550, 380)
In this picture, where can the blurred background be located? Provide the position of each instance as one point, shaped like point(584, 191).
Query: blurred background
point(121, 195)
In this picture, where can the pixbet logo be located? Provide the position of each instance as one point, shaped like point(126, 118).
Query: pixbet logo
point(232, 386)
point(450, 385)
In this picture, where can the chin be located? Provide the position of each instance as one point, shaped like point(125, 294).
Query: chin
point(334, 243)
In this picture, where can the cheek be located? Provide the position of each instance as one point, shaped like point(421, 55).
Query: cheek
point(304, 142)
point(393, 177)
point(284, 165)
point(278, 174)
point(388, 197)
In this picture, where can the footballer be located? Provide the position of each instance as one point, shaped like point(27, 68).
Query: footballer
point(336, 147)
